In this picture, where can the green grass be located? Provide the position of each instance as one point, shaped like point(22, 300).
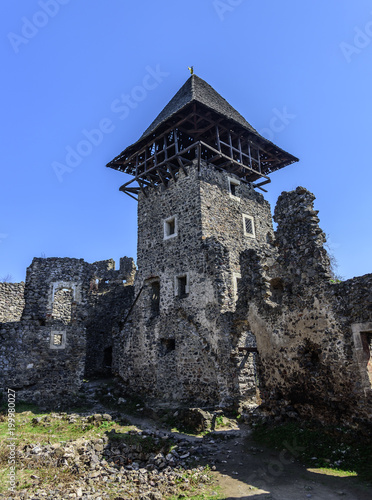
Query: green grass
point(214, 493)
point(52, 430)
point(333, 450)
point(35, 427)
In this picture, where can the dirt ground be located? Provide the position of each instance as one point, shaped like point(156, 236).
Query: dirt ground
point(258, 473)
point(246, 470)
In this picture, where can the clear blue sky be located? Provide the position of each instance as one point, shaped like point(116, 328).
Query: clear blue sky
point(67, 63)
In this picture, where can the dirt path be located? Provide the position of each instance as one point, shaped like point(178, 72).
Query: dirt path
point(244, 470)
point(260, 473)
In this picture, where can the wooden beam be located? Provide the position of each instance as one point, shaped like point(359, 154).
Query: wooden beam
point(218, 139)
point(231, 159)
point(161, 177)
point(129, 194)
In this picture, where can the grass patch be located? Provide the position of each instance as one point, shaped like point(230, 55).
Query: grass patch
point(214, 493)
point(336, 451)
point(47, 429)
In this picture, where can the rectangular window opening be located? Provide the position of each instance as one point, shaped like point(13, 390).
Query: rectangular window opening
point(182, 285)
point(233, 188)
point(57, 340)
point(170, 227)
point(155, 298)
point(248, 226)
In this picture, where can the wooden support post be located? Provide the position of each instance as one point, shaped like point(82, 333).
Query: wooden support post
point(136, 164)
point(259, 160)
point(161, 177)
point(180, 162)
point(140, 185)
point(171, 172)
point(240, 151)
point(249, 155)
point(175, 140)
point(218, 138)
point(165, 148)
point(230, 143)
point(127, 193)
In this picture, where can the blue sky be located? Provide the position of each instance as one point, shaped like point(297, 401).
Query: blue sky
point(67, 64)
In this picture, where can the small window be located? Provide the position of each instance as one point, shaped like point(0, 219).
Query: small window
point(236, 279)
point(170, 227)
point(233, 188)
point(57, 340)
point(155, 298)
point(248, 226)
point(181, 286)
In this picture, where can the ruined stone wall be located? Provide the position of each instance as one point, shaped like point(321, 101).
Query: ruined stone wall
point(186, 348)
point(47, 277)
point(38, 371)
point(11, 301)
point(111, 295)
point(303, 322)
point(109, 305)
point(65, 329)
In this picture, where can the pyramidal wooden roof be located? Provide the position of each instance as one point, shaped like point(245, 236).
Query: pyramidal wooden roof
point(198, 123)
point(196, 89)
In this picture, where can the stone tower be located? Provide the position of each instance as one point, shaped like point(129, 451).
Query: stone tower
point(195, 174)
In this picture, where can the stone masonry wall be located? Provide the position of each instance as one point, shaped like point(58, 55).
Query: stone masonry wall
point(37, 372)
point(11, 301)
point(188, 350)
point(65, 329)
point(305, 324)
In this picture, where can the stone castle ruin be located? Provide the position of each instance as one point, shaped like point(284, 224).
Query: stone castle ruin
point(221, 307)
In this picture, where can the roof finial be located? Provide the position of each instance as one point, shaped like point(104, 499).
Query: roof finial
point(191, 69)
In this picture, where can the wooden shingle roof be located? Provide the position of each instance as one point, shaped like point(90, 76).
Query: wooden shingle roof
point(196, 89)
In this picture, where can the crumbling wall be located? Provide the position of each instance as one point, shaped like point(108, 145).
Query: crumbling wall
point(109, 304)
point(303, 322)
point(65, 329)
point(11, 301)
